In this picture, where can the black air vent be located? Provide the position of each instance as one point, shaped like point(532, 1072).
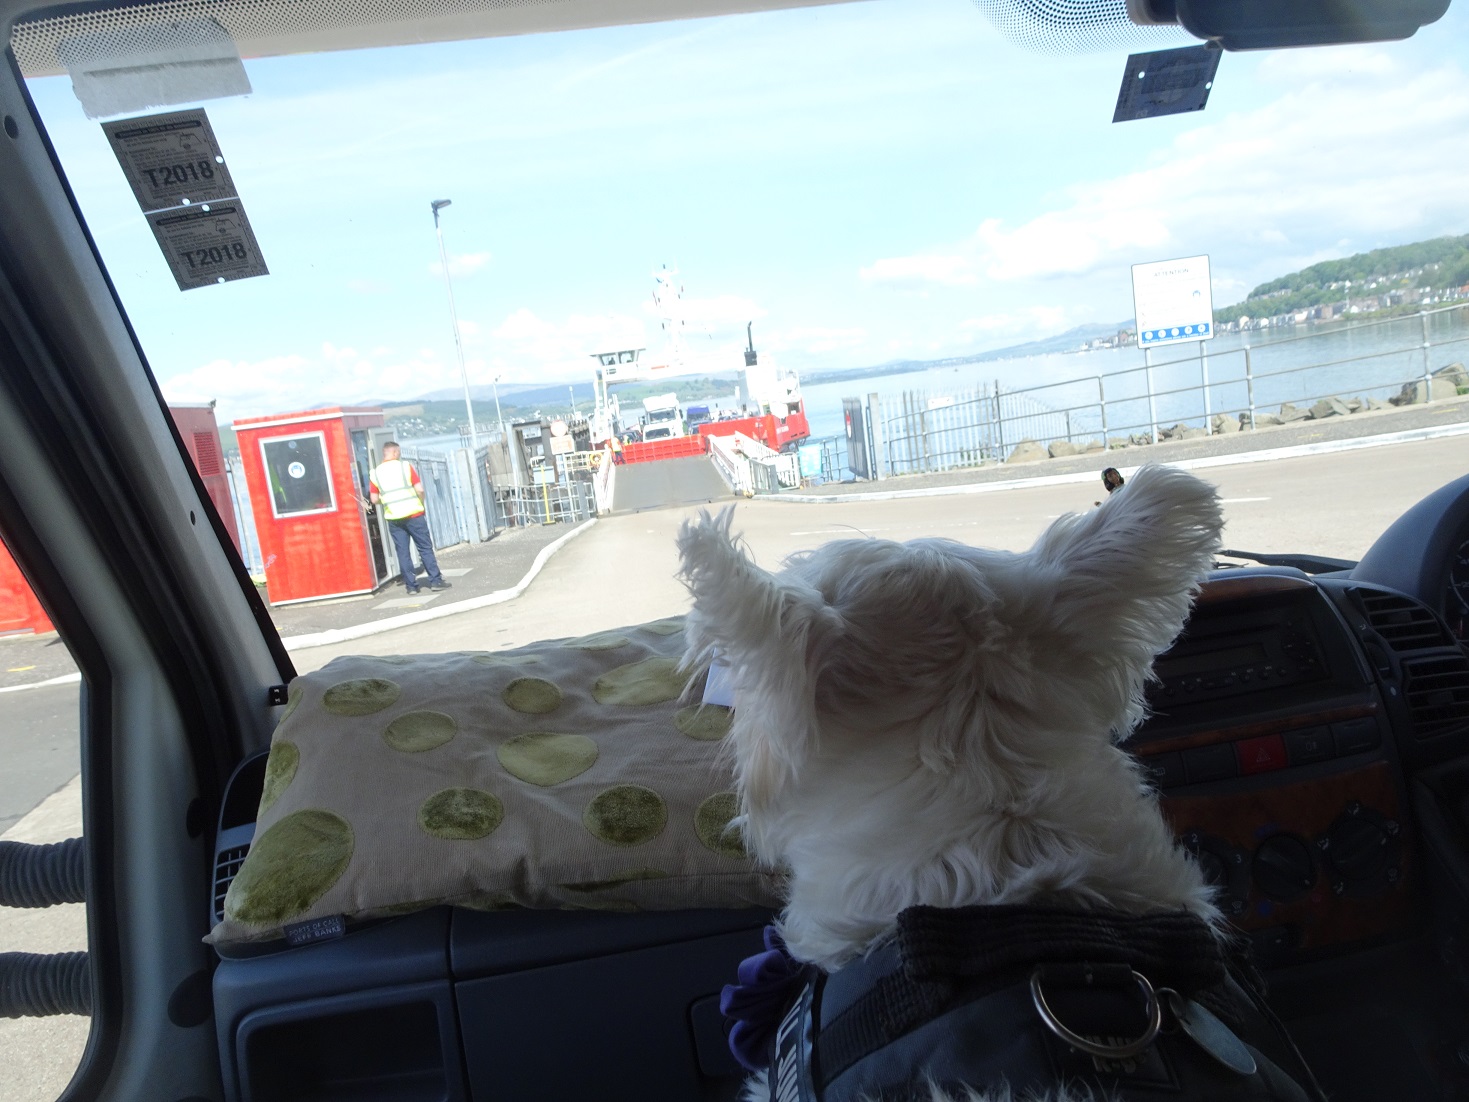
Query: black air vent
point(1404, 624)
point(1437, 691)
point(226, 863)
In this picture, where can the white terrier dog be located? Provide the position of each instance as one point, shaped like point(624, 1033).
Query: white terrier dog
point(933, 724)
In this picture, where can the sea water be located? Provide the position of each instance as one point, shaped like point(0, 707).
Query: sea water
point(1298, 365)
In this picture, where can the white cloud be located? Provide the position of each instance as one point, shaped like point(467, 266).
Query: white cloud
point(461, 264)
point(1265, 191)
point(527, 348)
point(284, 384)
point(914, 271)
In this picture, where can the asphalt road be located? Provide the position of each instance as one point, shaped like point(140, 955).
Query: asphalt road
point(40, 732)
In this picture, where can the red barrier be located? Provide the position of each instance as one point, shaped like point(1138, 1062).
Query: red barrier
point(676, 448)
point(19, 609)
point(774, 432)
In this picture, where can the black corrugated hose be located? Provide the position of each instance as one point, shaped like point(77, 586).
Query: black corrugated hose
point(42, 876)
point(40, 985)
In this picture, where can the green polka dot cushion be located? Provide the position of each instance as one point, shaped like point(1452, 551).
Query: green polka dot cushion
point(568, 774)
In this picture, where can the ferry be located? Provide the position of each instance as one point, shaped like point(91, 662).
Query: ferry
point(767, 407)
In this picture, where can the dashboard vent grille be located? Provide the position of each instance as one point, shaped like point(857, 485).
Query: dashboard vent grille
point(1437, 691)
point(226, 863)
point(1403, 624)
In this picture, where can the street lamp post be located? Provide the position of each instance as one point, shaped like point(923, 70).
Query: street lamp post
point(500, 417)
point(479, 508)
point(436, 205)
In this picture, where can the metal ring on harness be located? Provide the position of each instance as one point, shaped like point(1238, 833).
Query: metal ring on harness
point(1092, 1048)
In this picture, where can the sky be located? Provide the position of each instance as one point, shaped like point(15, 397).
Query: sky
point(864, 182)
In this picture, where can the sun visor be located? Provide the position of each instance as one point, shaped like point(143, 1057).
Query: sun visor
point(118, 70)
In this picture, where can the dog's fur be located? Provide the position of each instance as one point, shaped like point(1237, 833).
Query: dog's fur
point(933, 723)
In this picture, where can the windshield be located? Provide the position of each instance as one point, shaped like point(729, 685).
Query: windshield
point(879, 245)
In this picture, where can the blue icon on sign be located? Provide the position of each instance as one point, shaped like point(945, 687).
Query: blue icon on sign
point(1188, 328)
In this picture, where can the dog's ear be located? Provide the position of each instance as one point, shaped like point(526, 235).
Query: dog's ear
point(1123, 578)
point(772, 634)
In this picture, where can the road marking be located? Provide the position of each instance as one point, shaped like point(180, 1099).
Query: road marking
point(64, 679)
point(19, 669)
point(1240, 500)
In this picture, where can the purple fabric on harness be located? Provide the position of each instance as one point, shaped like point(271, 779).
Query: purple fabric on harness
point(768, 982)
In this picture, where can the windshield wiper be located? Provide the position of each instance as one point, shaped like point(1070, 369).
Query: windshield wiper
point(1309, 564)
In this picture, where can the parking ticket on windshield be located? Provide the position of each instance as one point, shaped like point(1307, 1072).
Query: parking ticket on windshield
point(207, 244)
point(171, 160)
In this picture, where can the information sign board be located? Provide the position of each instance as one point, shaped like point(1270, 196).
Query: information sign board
point(1173, 301)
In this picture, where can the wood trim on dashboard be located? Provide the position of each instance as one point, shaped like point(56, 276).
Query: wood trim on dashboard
point(1240, 586)
point(1252, 730)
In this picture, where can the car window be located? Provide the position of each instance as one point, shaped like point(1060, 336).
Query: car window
point(40, 805)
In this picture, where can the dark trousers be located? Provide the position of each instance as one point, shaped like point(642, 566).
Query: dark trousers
point(416, 529)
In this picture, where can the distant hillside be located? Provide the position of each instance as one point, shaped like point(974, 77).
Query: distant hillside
point(1435, 265)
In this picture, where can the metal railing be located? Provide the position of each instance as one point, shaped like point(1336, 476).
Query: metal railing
point(823, 460)
point(750, 467)
point(937, 433)
point(1240, 388)
point(732, 466)
point(549, 503)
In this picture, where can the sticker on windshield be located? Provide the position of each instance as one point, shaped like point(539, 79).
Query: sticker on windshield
point(209, 243)
point(171, 160)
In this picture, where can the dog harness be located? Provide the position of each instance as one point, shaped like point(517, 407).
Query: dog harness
point(1126, 1006)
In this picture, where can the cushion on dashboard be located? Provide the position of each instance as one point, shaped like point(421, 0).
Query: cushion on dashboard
point(565, 774)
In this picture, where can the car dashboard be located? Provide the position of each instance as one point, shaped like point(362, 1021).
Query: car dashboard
point(1308, 735)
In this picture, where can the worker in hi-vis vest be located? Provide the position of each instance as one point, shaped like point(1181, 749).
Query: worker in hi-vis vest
point(397, 488)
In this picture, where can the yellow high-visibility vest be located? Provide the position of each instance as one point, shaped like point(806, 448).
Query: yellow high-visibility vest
point(394, 482)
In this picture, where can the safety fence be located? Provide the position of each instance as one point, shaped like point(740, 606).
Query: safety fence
point(1335, 373)
point(937, 432)
point(823, 460)
point(549, 503)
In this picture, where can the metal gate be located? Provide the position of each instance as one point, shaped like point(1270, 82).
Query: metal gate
point(438, 492)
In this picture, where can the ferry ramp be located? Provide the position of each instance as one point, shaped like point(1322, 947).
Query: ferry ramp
point(690, 480)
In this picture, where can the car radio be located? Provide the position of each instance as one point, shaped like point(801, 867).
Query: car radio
point(1245, 652)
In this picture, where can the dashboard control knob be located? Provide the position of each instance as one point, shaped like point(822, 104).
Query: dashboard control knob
point(1225, 869)
point(1357, 849)
point(1212, 866)
point(1283, 868)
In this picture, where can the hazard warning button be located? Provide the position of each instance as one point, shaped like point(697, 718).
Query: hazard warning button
point(1260, 755)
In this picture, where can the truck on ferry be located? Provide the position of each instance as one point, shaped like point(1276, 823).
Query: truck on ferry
point(663, 418)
